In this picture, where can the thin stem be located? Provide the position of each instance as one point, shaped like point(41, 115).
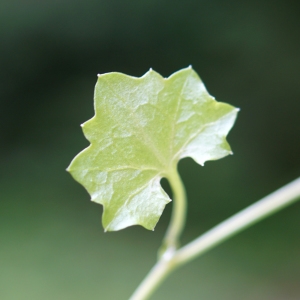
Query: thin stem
point(238, 222)
point(171, 239)
point(154, 278)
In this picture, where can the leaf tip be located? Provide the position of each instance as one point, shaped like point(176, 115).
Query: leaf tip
point(68, 169)
point(107, 227)
point(190, 67)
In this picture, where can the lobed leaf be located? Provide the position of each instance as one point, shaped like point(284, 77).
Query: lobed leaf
point(142, 127)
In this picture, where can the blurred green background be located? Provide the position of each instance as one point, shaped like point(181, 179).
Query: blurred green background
point(52, 245)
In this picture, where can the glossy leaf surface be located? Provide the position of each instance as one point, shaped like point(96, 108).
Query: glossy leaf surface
point(142, 127)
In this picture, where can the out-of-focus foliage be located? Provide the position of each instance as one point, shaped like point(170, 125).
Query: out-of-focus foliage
point(248, 54)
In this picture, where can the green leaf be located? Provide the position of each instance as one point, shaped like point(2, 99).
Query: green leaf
point(142, 127)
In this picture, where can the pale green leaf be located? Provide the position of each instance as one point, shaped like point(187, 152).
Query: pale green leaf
point(142, 127)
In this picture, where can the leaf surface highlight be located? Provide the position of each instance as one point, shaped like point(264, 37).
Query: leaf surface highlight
point(142, 127)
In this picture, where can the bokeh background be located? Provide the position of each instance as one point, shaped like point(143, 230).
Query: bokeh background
point(52, 245)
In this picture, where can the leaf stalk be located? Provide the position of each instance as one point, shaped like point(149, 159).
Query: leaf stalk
point(178, 218)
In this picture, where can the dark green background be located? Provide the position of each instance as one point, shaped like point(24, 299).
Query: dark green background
point(52, 245)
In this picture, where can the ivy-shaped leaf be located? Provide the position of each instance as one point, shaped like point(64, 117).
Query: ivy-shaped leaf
point(142, 127)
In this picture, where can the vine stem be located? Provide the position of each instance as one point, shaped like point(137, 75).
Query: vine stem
point(238, 222)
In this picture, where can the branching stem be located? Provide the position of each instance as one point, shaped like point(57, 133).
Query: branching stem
point(240, 221)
